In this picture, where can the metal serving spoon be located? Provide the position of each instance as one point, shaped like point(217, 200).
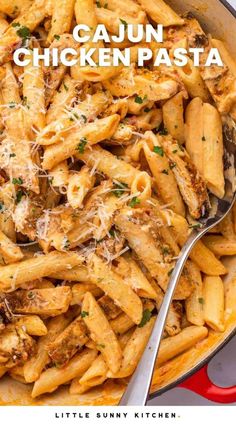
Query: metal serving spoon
point(139, 385)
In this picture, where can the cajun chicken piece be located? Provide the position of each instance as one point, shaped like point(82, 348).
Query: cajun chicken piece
point(68, 342)
point(158, 256)
point(219, 80)
point(109, 307)
point(110, 247)
point(147, 84)
point(192, 187)
point(16, 346)
point(45, 302)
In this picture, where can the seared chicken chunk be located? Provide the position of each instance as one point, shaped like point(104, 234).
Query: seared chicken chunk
point(68, 342)
point(16, 346)
point(46, 302)
point(109, 307)
point(191, 185)
point(157, 257)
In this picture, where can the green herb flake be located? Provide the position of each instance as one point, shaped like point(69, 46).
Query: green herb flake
point(195, 226)
point(203, 138)
point(119, 189)
point(30, 295)
point(146, 110)
point(15, 24)
point(163, 132)
point(101, 345)
point(84, 118)
point(158, 150)
point(23, 32)
point(134, 202)
point(19, 196)
point(112, 232)
point(170, 272)
point(147, 314)
point(105, 6)
point(165, 251)
point(139, 99)
point(66, 243)
point(12, 155)
point(175, 151)
point(82, 144)
point(57, 37)
point(172, 165)
point(65, 86)
point(98, 4)
point(84, 314)
point(201, 300)
point(2, 207)
point(24, 102)
point(17, 181)
point(12, 105)
point(124, 23)
point(165, 171)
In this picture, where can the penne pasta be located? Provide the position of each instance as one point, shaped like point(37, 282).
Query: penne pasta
point(54, 377)
point(13, 275)
point(112, 284)
point(101, 332)
point(213, 288)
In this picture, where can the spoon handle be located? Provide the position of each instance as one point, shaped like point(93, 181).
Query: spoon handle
point(139, 385)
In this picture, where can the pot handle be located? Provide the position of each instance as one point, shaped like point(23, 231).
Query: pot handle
point(201, 384)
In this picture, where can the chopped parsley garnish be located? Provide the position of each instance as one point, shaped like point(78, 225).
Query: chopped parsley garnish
point(201, 300)
point(65, 86)
point(135, 201)
point(84, 314)
point(17, 181)
point(2, 207)
point(180, 147)
point(23, 32)
point(195, 226)
point(15, 24)
point(66, 243)
point(105, 6)
point(12, 155)
point(165, 171)
point(30, 295)
point(12, 105)
point(74, 117)
point(124, 23)
point(84, 118)
point(57, 37)
point(101, 345)
point(146, 110)
point(163, 132)
point(98, 4)
point(203, 138)
point(175, 151)
point(139, 99)
point(165, 251)
point(119, 189)
point(170, 272)
point(172, 165)
point(19, 196)
point(82, 144)
point(147, 314)
point(24, 102)
point(112, 232)
point(158, 150)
